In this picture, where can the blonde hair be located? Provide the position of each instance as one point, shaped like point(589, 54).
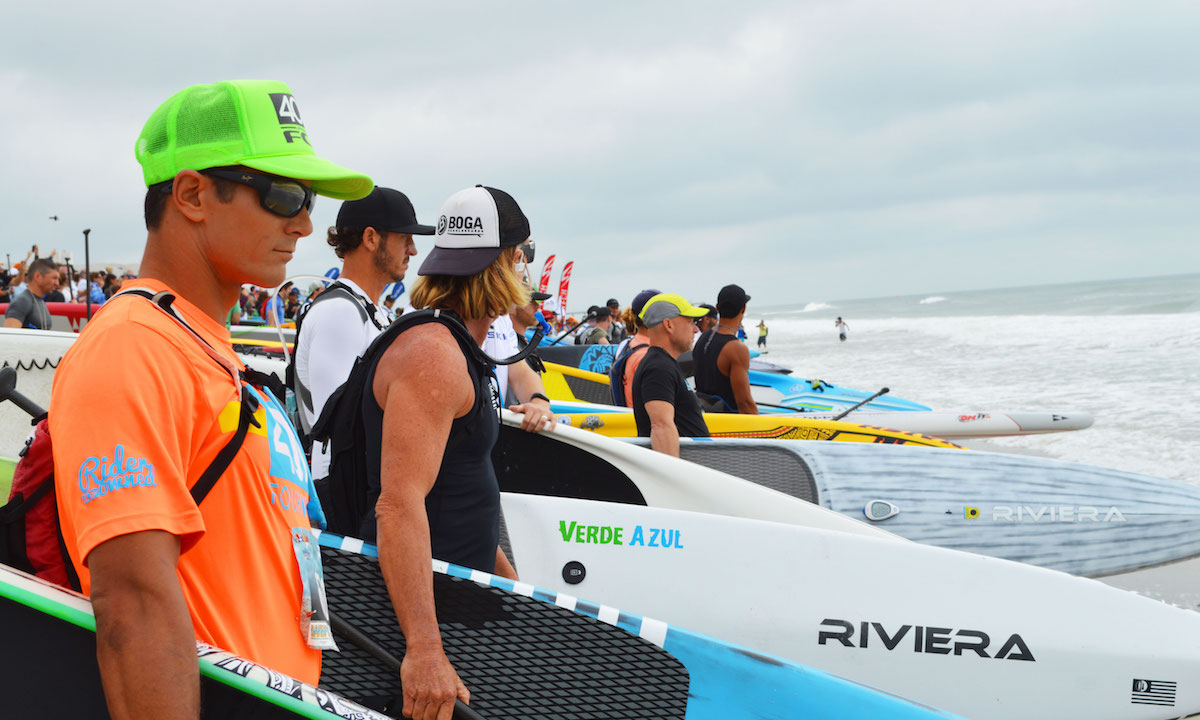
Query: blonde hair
point(492, 292)
point(630, 320)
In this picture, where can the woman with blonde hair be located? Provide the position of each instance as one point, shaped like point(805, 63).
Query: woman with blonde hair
point(437, 419)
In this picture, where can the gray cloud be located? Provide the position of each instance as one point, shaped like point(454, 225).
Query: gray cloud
point(807, 151)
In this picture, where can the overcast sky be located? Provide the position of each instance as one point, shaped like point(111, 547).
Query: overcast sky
point(808, 151)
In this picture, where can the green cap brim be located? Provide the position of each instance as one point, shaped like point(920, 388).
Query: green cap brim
point(328, 179)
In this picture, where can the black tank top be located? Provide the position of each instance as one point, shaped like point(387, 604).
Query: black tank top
point(709, 378)
point(463, 506)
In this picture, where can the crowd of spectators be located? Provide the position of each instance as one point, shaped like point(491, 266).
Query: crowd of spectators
point(74, 286)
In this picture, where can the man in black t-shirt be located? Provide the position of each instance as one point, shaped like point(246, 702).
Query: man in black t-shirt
point(663, 407)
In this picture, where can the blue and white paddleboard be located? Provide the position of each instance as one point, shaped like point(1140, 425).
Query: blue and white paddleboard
point(529, 652)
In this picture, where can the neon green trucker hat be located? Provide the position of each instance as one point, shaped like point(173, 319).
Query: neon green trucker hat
point(255, 123)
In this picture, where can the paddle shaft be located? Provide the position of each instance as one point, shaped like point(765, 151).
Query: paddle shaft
point(363, 642)
point(864, 402)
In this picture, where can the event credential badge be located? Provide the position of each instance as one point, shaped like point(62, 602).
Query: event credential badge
point(314, 611)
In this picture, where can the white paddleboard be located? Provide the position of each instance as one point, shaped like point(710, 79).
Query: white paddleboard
point(36, 354)
point(986, 638)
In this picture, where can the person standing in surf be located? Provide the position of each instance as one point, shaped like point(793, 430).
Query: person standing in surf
point(721, 363)
point(432, 418)
point(230, 177)
point(842, 328)
point(663, 406)
point(762, 335)
point(374, 239)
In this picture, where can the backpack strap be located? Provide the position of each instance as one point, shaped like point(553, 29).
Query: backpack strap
point(533, 360)
point(163, 301)
point(248, 402)
point(334, 291)
point(249, 406)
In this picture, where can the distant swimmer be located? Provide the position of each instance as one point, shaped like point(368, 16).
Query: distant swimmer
point(842, 328)
point(762, 334)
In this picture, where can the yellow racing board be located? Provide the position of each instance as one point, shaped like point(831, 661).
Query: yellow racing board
point(777, 427)
point(572, 384)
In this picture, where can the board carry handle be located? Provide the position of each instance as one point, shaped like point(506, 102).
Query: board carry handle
point(882, 391)
point(8, 391)
point(462, 711)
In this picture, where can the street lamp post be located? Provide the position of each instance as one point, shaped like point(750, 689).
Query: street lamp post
point(87, 272)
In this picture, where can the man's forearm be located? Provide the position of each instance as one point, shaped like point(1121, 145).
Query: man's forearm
point(665, 439)
point(746, 404)
point(524, 383)
point(504, 568)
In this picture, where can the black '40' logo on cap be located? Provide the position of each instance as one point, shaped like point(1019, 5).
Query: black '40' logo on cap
point(286, 109)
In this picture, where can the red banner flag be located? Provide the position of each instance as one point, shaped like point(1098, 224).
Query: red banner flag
point(546, 270)
point(563, 286)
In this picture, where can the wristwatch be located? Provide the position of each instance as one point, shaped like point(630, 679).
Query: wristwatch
point(537, 396)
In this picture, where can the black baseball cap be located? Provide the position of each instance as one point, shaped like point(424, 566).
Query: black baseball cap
point(474, 226)
point(613, 301)
point(731, 300)
point(601, 312)
point(639, 300)
point(539, 296)
point(386, 210)
point(712, 311)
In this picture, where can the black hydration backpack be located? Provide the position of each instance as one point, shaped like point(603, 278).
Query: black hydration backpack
point(303, 394)
point(346, 495)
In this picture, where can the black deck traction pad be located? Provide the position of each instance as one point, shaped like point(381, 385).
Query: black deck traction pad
point(520, 657)
point(587, 390)
point(776, 468)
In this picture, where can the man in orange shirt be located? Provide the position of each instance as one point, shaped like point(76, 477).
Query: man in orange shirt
point(231, 177)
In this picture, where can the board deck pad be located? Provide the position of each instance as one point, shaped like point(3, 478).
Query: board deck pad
point(521, 657)
point(769, 466)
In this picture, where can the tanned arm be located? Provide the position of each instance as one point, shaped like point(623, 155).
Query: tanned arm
point(664, 436)
point(734, 361)
point(524, 383)
point(142, 621)
point(422, 385)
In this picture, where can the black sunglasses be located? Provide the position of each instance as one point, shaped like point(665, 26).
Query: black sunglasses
point(282, 196)
point(528, 249)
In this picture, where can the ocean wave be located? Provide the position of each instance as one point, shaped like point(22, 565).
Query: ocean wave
point(933, 299)
point(814, 306)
